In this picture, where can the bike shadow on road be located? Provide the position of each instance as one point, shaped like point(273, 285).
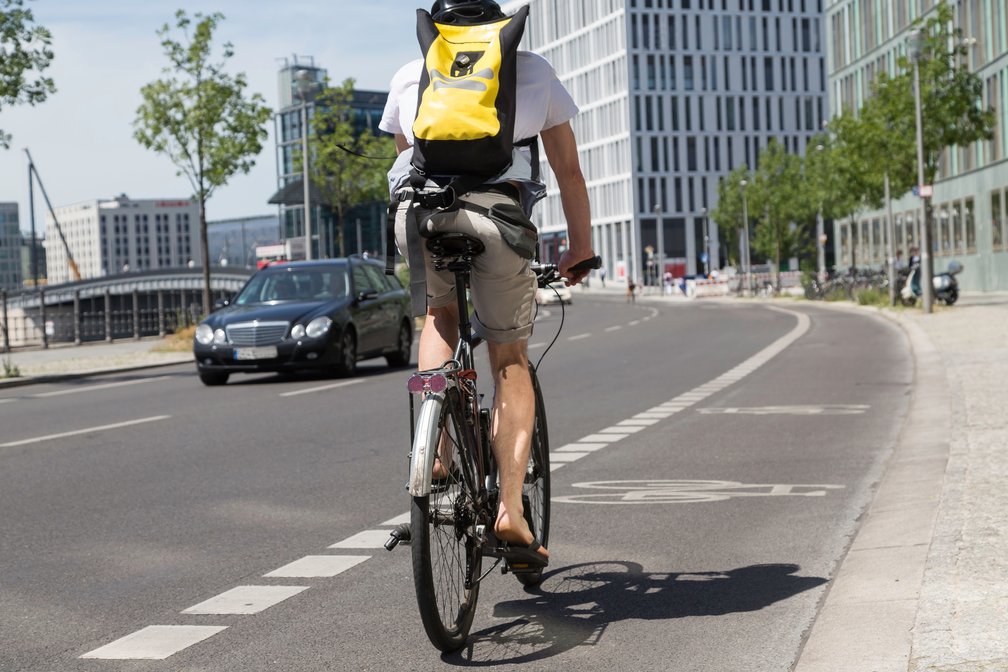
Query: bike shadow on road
point(574, 605)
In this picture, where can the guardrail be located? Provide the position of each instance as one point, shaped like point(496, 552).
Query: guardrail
point(130, 306)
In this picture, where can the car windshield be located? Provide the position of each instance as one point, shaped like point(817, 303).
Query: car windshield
point(295, 284)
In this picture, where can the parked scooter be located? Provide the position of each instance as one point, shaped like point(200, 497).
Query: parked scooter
point(946, 288)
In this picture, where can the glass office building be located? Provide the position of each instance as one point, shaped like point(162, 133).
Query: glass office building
point(10, 247)
point(971, 192)
point(674, 94)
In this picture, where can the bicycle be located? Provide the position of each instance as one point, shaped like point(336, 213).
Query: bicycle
point(452, 516)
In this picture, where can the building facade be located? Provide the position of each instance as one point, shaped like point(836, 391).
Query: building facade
point(674, 94)
point(10, 247)
point(971, 192)
point(367, 107)
point(233, 242)
point(118, 235)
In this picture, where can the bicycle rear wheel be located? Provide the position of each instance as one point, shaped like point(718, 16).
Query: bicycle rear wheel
point(536, 488)
point(446, 553)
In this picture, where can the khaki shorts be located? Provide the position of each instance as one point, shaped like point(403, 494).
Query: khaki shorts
point(502, 285)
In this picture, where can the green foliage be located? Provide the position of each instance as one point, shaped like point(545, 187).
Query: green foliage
point(728, 213)
point(872, 297)
point(199, 116)
point(24, 54)
point(775, 199)
point(348, 165)
point(10, 369)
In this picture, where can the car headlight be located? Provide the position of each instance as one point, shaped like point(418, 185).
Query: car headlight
point(318, 327)
point(204, 334)
point(298, 331)
point(219, 336)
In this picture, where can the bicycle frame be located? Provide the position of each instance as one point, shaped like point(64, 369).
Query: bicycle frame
point(454, 374)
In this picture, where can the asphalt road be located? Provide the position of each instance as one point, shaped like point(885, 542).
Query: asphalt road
point(700, 541)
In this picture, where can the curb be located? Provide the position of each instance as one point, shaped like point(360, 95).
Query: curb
point(23, 381)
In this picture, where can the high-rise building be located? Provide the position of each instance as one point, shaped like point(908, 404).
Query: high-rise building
point(970, 195)
point(674, 94)
point(10, 247)
point(233, 242)
point(119, 235)
point(367, 107)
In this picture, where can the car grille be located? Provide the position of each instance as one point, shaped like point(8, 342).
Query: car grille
point(256, 333)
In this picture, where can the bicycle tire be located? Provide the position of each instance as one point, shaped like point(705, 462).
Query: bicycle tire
point(536, 488)
point(442, 544)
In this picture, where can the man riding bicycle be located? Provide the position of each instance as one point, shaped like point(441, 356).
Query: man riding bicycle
point(503, 284)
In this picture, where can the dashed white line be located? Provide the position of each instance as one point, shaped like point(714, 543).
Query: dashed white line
point(555, 465)
point(578, 337)
point(635, 323)
point(155, 642)
point(615, 328)
point(313, 566)
point(637, 422)
point(625, 429)
point(6, 401)
point(398, 520)
point(602, 438)
point(322, 388)
point(565, 456)
point(78, 432)
point(104, 386)
point(365, 539)
point(245, 600)
point(578, 447)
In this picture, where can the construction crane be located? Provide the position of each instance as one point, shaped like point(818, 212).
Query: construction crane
point(33, 171)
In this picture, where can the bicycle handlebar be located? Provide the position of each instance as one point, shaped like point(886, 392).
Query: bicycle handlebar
point(547, 273)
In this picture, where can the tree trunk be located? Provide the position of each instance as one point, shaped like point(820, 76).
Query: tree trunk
point(204, 254)
point(777, 258)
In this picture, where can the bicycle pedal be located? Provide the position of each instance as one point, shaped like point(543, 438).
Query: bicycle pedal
point(400, 535)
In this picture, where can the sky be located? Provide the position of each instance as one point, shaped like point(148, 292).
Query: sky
point(81, 138)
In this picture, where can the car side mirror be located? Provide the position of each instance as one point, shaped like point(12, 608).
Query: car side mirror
point(367, 295)
point(221, 303)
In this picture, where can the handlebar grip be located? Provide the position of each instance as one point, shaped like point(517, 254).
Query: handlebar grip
point(586, 265)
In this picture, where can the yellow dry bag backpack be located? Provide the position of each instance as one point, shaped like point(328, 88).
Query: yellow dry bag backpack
point(466, 106)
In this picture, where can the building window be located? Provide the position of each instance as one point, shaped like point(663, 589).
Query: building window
point(998, 221)
point(969, 223)
point(688, 73)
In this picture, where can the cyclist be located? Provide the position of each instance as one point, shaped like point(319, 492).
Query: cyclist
point(503, 285)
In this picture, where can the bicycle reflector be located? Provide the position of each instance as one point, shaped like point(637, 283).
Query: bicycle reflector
point(427, 383)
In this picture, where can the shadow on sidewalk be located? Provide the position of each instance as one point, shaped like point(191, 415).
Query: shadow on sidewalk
point(574, 605)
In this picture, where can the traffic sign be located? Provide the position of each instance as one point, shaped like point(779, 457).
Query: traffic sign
point(924, 190)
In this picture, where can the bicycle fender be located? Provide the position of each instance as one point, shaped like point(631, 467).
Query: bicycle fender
point(425, 445)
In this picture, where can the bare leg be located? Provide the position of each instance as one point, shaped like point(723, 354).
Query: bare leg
point(514, 413)
point(437, 342)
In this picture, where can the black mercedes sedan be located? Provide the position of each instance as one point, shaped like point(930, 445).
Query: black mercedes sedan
point(307, 315)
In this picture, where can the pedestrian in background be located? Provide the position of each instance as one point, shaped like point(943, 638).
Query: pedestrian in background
point(630, 288)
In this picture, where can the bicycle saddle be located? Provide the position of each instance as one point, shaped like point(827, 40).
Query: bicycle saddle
point(454, 244)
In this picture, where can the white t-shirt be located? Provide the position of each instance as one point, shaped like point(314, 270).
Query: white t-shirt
point(541, 101)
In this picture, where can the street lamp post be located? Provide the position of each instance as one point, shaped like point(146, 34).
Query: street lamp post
point(706, 242)
point(746, 264)
point(820, 235)
point(660, 232)
point(916, 45)
point(304, 86)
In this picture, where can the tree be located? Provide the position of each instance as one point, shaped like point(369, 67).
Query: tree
point(775, 194)
point(349, 162)
point(199, 117)
point(24, 54)
point(728, 212)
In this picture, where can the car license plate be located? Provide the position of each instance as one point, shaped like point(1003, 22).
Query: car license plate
point(268, 352)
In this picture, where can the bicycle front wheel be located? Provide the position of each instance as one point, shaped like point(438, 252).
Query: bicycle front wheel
point(446, 554)
point(536, 488)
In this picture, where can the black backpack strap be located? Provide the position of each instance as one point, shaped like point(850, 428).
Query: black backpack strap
point(533, 145)
point(390, 244)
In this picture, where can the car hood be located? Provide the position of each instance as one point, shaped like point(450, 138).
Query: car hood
point(293, 311)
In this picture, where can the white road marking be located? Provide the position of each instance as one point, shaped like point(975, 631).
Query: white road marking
point(578, 337)
point(601, 438)
point(658, 415)
point(6, 401)
point(155, 642)
point(625, 429)
point(77, 432)
point(104, 386)
point(616, 328)
point(577, 447)
point(635, 323)
point(398, 520)
point(365, 539)
point(565, 456)
point(638, 422)
point(312, 566)
point(828, 409)
point(687, 492)
point(322, 388)
point(245, 600)
point(536, 346)
point(554, 466)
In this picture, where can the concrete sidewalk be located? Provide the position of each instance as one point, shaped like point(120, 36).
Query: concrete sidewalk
point(924, 586)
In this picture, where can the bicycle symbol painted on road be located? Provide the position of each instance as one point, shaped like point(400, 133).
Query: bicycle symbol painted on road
point(686, 491)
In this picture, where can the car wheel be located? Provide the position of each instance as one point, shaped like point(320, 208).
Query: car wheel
point(347, 364)
point(404, 347)
point(212, 379)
